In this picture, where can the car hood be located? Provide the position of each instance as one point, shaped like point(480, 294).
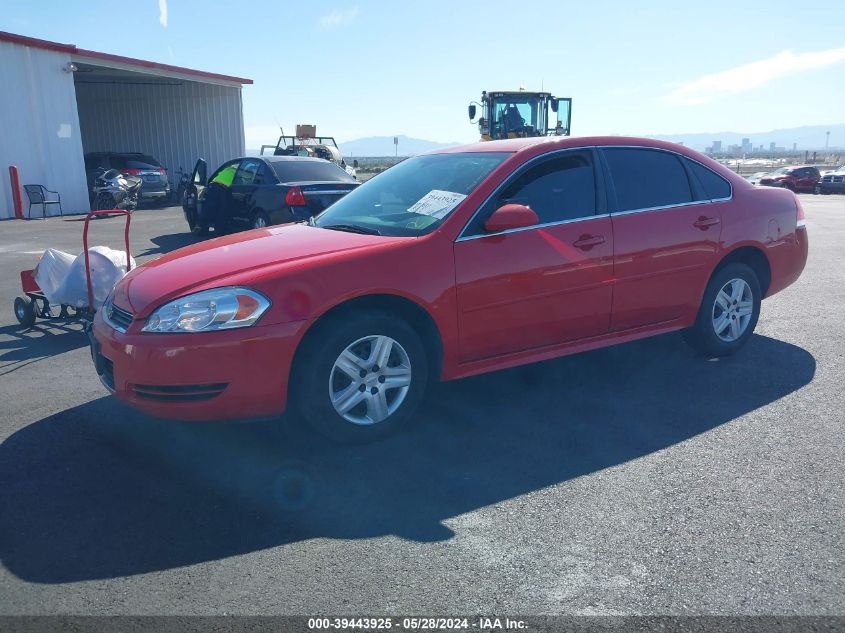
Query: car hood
point(234, 259)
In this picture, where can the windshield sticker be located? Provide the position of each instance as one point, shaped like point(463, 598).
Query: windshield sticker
point(437, 203)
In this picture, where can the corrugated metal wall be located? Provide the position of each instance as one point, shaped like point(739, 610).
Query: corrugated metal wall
point(39, 128)
point(175, 121)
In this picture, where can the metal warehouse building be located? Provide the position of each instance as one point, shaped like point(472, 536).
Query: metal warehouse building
point(59, 102)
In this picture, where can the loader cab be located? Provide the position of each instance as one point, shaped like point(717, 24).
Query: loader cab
point(522, 114)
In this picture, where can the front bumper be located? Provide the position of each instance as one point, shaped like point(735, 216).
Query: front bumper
point(204, 376)
point(155, 194)
point(831, 187)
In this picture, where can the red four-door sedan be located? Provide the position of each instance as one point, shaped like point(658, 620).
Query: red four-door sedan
point(449, 264)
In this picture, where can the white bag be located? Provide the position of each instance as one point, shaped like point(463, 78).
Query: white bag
point(61, 276)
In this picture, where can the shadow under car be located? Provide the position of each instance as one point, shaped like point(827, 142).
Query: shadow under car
point(100, 491)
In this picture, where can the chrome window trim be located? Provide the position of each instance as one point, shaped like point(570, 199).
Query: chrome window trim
point(326, 192)
point(533, 226)
point(462, 237)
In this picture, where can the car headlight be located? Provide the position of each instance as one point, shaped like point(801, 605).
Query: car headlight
point(217, 309)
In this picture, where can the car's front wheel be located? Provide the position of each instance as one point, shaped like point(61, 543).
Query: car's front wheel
point(360, 376)
point(728, 313)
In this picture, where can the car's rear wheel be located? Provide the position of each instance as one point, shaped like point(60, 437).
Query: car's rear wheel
point(728, 313)
point(360, 377)
point(260, 220)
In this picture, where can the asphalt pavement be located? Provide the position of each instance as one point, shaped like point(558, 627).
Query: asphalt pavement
point(638, 479)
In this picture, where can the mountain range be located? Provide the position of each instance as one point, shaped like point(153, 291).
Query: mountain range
point(383, 146)
point(808, 137)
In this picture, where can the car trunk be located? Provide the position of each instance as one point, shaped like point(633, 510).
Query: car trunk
point(320, 195)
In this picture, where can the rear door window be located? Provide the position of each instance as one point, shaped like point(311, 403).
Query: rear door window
point(247, 172)
point(647, 178)
point(315, 169)
point(712, 184)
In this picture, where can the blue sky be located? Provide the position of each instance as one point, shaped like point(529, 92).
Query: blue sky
point(382, 68)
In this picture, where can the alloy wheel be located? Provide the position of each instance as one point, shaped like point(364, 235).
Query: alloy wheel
point(370, 380)
point(732, 310)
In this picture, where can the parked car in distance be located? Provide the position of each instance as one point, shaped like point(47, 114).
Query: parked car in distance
point(754, 179)
point(459, 262)
point(155, 185)
point(803, 178)
point(833, 182)
point(257, 191)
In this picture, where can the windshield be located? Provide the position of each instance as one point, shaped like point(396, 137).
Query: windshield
point(781, 171)
point(513, 113)
point(413, 197)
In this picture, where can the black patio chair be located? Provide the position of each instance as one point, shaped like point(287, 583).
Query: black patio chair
point(37, 194)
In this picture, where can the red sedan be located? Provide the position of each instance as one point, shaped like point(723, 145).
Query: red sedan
point(449, 264)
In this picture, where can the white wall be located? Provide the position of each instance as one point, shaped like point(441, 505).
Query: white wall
point(39, 127)
point(176, 122)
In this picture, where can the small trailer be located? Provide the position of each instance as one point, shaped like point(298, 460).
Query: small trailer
point(35, 305)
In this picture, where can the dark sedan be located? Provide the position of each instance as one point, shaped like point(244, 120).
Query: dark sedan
point(258, 191)
point(833, 182)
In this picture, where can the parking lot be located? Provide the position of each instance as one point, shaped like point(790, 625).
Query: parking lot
point(631, 480)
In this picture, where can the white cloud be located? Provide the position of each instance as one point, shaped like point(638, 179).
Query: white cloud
point(338, 18)
point(752, 75)
point(162, 12)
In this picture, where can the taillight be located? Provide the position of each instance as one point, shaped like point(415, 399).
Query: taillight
point(295, 198)
point(162, 171)
point(802, 219)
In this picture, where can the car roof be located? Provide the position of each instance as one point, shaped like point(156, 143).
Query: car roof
point(279, 159)
point(541, 143)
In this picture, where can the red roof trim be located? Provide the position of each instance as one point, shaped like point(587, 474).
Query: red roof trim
point(131, 61)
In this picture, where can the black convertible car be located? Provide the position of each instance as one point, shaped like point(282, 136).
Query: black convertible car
point(257, 191)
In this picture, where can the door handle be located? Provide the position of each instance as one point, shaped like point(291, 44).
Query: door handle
point(586, 241)
point(705, 223)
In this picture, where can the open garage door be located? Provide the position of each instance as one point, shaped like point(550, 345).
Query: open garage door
point(160, 116)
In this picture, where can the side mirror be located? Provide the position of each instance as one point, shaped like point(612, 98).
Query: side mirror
point(554, 105)
point(471, 111)
point(510, 216)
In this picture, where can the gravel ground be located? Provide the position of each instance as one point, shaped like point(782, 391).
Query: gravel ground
point(637, 479)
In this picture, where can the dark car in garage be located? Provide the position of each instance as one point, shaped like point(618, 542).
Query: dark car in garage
point(257, 191)
point(154, 185)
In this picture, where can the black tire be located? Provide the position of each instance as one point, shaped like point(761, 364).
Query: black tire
point(313, 370)
point(702, 336)
point(259, 217)
point(103, 201)
point(24, 311)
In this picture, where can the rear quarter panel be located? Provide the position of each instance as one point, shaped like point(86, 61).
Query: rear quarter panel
point(766, 218)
